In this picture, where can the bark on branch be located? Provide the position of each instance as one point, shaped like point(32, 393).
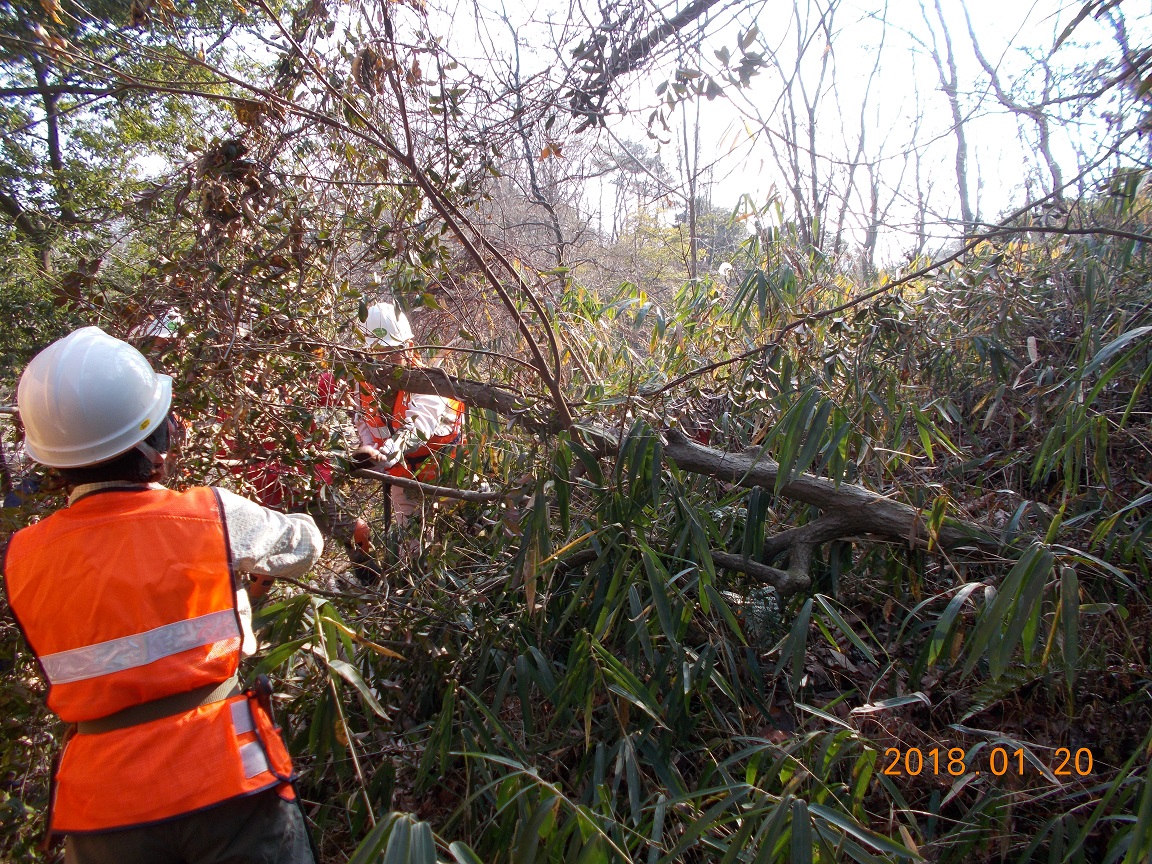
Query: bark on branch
point(428, 489)
point(588, 100)
point(848, 508)
point(436, 382)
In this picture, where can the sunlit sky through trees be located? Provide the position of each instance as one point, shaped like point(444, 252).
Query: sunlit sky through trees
point(881, 85)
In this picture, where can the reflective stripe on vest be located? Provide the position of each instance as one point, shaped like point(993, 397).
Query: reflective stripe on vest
point(140, 649)
point(155, 771)
point(126, 597)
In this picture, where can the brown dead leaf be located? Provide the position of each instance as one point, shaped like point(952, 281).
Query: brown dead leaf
point(52, 7)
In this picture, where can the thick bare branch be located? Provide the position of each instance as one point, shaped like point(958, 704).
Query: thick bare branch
point(786, 582)
point(429, 490)
point(588, 100)
point(848, 508)
point(387, 376)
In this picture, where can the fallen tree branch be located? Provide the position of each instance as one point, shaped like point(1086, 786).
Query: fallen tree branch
point(786, 582)
point(428, 489)
point(848, 508)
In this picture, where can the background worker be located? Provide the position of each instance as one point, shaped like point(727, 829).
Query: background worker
point(156, 334)
point(128, 598)
point(417, 431)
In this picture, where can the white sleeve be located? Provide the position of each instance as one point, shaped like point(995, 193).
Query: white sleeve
point(369, 435)
point(425, 415)
point(268, 543)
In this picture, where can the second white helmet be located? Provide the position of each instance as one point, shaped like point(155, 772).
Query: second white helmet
point(167, 326)
point(87, 398)
point(386, 326)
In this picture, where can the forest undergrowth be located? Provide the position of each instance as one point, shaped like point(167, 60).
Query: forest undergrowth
point(567, 673)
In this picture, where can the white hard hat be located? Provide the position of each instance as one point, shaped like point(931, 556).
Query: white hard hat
point(87, 398)
point(386, 326)
point(164, 327)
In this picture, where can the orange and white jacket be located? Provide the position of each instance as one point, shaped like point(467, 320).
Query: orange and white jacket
point(428, 426)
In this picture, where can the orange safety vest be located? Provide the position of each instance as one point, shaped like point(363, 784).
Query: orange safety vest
point(127, 597)
point(417, 463)
point(370, 409)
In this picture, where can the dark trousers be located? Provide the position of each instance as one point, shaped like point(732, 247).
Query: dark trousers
point(259, 829)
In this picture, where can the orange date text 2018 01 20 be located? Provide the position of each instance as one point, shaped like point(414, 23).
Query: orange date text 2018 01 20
point(1000, 761)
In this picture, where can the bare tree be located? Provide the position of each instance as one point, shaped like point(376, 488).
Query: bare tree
point(1036, 113)
point(950, 83)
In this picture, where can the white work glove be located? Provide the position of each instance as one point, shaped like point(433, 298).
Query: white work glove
point(390, 453)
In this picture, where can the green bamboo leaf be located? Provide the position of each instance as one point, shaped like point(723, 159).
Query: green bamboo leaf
point(738, 845)
point(1033, 565)
point(1113, 348)
point(842, 626)
point(709, 819)
point(947, 620)
point(893, 702)
point(1118, 786)
point(422, 846)
point(561, 474)
point(849, 826)
point(399, 845)
point(590, 461)
point(529, 843)
point(1140, 845)
point(632, 778)
point(463, 853)
point(625, 684)
point(815, 435)
point(770, 833)
point(834, 846)
point(350, 674)
point(1136, 391)
point(789, 433)
point(862, 772)
point(657, 462)
point(922, 430)
point(801, 833)
point(1021, 613)
point(834, 453)
point(726, 613)
point(508, 738)
point(825, 716)
point(656, 837)
point(372, 846)
point(795, 645)
point(1070, 615)
point(336, 631)
point(278, 655)
point(702, 552)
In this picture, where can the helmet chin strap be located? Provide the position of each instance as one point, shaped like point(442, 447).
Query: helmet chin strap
point(155, 456)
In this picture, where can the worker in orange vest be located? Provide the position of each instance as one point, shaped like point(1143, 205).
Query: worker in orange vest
point(129, 597)
point(419, 432)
